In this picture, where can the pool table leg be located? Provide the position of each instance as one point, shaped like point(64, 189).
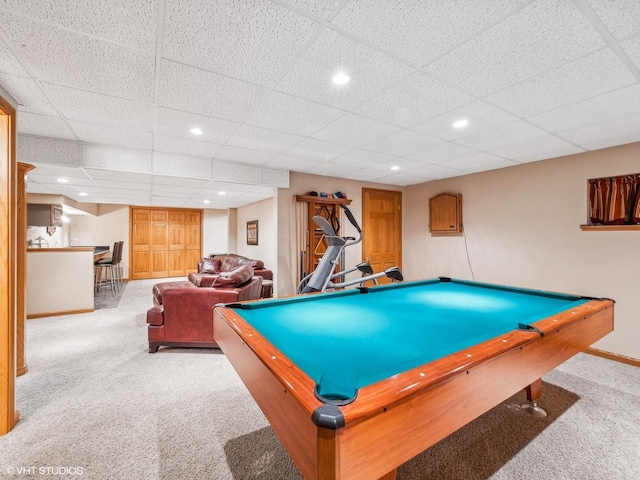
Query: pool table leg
point(534, 392)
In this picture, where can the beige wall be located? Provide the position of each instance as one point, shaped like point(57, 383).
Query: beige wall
point(522, 228)
point(289, 220)
point(265, 212)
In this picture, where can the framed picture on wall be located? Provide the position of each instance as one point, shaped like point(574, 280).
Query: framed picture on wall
point(252, 232)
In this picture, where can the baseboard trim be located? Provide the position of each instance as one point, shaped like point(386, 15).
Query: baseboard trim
point(613, 356)
point(55, 314)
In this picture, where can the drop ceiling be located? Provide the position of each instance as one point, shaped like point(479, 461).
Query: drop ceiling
point(109, 91)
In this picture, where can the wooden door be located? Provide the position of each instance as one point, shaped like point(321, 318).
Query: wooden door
point(176, 243)
point(192, 240)
point(164, 242)
point(382, 229)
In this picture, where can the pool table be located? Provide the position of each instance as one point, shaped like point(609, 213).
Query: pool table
point(356, 382)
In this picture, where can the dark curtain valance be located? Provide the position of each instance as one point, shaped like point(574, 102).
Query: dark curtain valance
point(615, 200)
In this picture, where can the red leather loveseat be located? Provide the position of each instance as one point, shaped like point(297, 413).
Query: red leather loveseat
point(182, 315)
point(210, 269)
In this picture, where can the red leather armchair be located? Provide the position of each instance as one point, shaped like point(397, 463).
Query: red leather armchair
point(183, 313)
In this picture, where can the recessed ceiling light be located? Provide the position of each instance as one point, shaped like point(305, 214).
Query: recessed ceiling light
point(63, 180)
point(196, 131)
point(341, 78)
point(460, 123)
point(222, 193)
point(206, 201)
point(83, 194)
point(395, 167)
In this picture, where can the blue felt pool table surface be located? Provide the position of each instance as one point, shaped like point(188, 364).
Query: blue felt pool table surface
point(347, 340)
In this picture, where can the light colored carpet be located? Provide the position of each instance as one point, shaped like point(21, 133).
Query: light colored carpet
point(95, 399)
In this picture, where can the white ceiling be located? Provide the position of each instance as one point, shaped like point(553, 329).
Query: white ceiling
point(109, 90)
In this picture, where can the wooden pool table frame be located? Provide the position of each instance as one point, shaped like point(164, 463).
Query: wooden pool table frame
point(424, 404)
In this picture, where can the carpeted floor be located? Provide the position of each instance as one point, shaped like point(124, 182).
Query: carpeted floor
point(94, 399)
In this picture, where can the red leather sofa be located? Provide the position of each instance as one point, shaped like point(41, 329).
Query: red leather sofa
point(182, 315)
point(211, 268)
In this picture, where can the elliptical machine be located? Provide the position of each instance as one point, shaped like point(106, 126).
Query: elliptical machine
point(322, 277)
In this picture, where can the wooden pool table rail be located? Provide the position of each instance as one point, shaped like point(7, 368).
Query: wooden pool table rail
point(425, 404)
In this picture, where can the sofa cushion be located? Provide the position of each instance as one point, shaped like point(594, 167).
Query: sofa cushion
point(233, 261)
point(236, 277)
point(210, 265)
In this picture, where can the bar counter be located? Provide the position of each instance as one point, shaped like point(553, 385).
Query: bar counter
point(59, 281)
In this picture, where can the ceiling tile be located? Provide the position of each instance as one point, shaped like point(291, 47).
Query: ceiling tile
point(275, 177)
point(187, 88)
point(320, 150)
point(48, 150)
point(43, 126)
point(175, 123)
point(54, 171)
point(539, 148)
point(404, 143)
point(617, 131)
point(442, 153)
point(478, 162)
point(331, 169)
point(105, 135)
point(264, 139)
point(621, 17)
point(320, 8)
point(355, 131)
point(28, 95)
point(363, 175)
point(134, 26)
point(632, 49)
point(196, 183)
point(233, 172)
point(589, 76)
point(82, 106)
point(543, 35)
point(116, 159)
point(181, 165)
point(244, 155)
point(501, 136)
point(363, 158)
point(619, 103)
point(414, 100)
point(420, 31)
point(480, 115)
point(235, 38)
point(400, 179)
point(331, 53)
point(123, 188)
point(286, 162)
point(292, 115)
point(98, 65)
point(185, 146)
point(437, 172)
point(99, 175)
point(9, 64)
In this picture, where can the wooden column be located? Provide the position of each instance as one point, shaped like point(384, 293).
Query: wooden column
point(21, 259)
point(8, 414)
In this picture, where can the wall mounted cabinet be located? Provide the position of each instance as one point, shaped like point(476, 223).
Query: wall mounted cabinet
point(44, 215)
point(445, 214)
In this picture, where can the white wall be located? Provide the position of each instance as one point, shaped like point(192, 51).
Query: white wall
point(265, 212)
point(522, 228)
point(289, 212)
point(215, 230)
point(59, 239)
point(109, 226)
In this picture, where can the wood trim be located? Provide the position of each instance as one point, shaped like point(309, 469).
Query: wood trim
point(21, 258)
point(609, 228)
point(66, 250)
point(64, 312)
point(8, 414)
point(613, 356)
point(319, 199)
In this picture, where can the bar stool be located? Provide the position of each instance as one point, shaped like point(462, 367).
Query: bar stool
point(105, 269)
